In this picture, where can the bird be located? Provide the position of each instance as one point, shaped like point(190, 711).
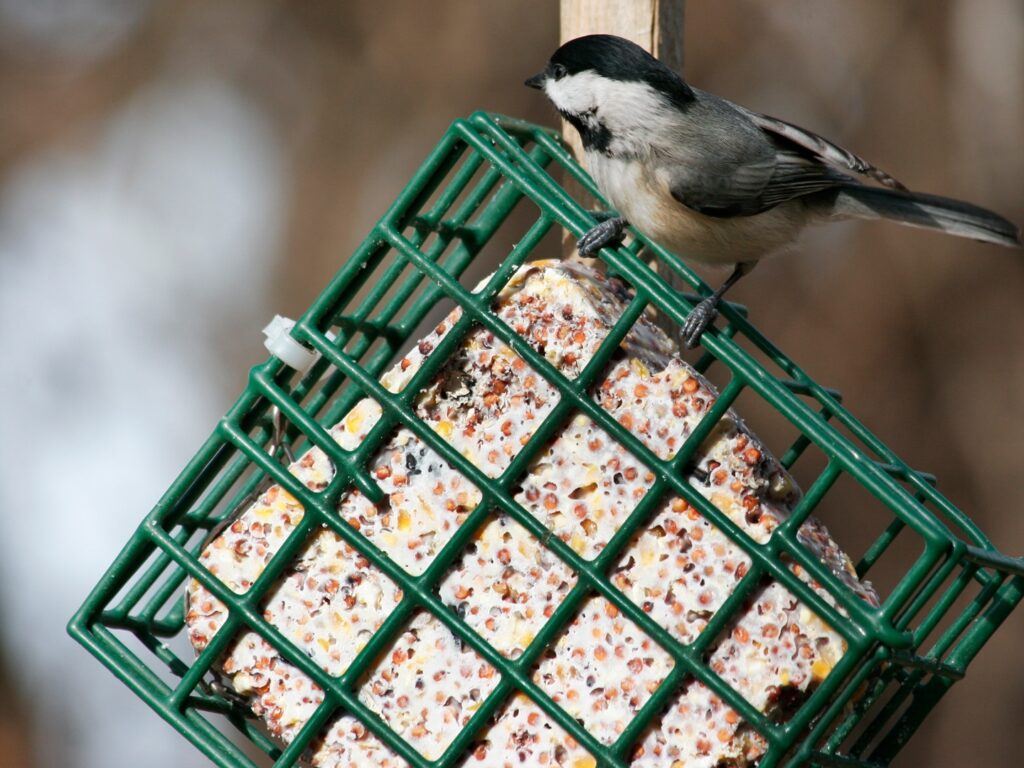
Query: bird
point(714, 182)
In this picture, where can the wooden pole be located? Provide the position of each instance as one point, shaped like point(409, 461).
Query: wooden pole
point(657, 26)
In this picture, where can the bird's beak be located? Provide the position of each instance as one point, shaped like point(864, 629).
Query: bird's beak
point(537, 81)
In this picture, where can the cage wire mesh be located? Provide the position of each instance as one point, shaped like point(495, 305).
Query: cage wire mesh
point(953, 587)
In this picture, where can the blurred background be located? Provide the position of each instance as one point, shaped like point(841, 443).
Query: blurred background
point(174, 173)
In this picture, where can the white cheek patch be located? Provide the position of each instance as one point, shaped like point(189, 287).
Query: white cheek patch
point(621, 106)
point(625, 106)
point(575, 94)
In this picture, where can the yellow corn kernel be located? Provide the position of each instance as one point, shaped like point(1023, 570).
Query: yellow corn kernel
point(820, 669)
point(585, 762)
point(648, 556)
point(724, 502)
point(404, 521)
point(444, 429)
point(353, 422)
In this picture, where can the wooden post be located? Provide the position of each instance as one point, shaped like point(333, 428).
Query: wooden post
point(656, 25)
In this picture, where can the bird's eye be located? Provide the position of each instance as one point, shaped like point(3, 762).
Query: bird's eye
point(558, 71)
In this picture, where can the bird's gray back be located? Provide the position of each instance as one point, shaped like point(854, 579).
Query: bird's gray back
point(710, 136)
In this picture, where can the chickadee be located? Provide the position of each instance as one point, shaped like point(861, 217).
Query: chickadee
point(715, 182)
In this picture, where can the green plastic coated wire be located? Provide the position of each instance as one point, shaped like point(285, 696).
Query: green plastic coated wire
point(895, 668)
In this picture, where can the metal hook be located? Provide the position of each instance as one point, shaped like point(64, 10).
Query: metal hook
point(278, 441)
point(287, 457)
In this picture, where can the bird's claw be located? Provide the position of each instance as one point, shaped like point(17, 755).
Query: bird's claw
point(608, 232)
point(697, 322)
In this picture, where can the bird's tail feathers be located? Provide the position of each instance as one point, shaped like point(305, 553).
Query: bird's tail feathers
point(917, 209)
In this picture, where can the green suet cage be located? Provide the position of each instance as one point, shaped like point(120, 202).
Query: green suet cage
point(488, 176)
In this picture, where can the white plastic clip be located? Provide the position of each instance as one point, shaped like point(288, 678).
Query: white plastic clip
point(284, 347)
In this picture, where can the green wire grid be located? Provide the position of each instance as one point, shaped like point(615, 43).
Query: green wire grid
point(901, 657)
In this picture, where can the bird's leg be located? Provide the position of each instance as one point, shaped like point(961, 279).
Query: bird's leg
point(706, 311)
point(608, 232)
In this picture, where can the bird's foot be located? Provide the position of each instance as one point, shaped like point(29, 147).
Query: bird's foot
point(608, 232)
point(697, 322)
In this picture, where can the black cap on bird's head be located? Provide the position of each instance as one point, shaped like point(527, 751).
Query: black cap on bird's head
point(613, 58)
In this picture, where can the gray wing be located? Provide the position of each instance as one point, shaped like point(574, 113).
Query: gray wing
point(753, 163)
point(751, 187)
point(821, 147)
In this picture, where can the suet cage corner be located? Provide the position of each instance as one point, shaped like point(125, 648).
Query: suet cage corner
point(491, 184)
